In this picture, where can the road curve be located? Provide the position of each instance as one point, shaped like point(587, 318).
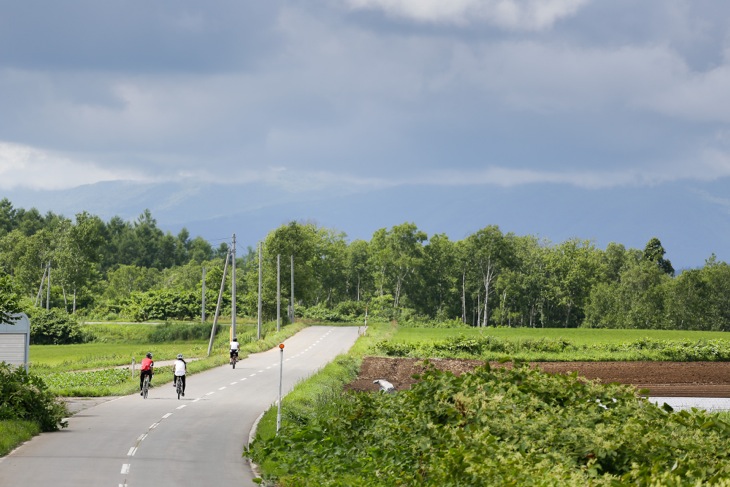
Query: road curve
point(163, 441)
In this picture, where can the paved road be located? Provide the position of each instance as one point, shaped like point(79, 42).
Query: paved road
point(163, 441)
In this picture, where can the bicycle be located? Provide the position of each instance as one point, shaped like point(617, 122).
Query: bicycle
point(178, 387)
point(145, 386)
point(234, 359)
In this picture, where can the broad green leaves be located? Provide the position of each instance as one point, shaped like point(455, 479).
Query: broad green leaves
point(497, 427)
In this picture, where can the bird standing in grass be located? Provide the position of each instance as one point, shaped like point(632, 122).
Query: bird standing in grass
point(385, 386)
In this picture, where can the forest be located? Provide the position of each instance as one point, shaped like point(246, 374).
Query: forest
point(132, 270)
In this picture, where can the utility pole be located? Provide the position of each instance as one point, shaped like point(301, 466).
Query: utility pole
point(202, 308)
point(278, 292)
point(233, 289)
point(39, 297)
point(218, 306)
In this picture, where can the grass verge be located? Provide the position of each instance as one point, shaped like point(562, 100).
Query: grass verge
point(311, 393)
point(15, 432)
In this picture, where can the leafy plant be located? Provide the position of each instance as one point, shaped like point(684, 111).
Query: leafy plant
point(496, 427)
point(25, 396)
point(54, 327)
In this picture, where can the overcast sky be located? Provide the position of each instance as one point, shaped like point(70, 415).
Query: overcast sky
point(596, 95)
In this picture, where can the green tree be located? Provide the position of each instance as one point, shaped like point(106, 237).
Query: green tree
point(437, 280)
point(128, 279)
point(359, 273)
point(397, 255)
point(490, 252)
point(9, 299)
point(654, 252)
point(7, 217)
point(573, 268)
point(521, 287)
point(637, 301)
point(78, 256)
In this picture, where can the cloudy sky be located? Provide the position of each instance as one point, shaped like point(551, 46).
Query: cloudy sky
point(547, 96)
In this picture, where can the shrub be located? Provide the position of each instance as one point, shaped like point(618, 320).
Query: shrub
point(320, 312)
point(498, 427)
point(26, 397)
point(171, 332)
point(54, 327)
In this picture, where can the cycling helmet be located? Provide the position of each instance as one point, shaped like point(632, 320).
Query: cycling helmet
point(235, 339)
point(179, 355)
point(149, 355)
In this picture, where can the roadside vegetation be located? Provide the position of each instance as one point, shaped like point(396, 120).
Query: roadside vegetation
point(490, 427)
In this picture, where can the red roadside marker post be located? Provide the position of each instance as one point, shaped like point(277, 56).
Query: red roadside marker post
point(281, 375)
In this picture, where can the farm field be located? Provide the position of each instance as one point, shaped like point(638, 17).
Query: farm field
point(645, 359)
point(577, 336)
point(666, 379)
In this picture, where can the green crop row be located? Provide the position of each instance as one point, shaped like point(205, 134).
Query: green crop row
point(487, 347)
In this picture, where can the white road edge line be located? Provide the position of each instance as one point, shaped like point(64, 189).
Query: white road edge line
point(132, 451)
point(125, 468)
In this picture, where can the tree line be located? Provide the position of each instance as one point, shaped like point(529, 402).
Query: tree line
point(133, 270)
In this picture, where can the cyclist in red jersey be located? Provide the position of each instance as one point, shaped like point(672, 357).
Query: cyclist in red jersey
point(146, 368)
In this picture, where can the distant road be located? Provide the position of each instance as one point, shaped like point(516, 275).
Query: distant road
point(163, 441)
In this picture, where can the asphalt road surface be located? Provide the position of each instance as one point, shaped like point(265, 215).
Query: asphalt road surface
point(162, 441)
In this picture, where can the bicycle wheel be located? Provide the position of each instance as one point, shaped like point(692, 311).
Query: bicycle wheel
point(179, 387)
point(145, 386)
point(233, 362)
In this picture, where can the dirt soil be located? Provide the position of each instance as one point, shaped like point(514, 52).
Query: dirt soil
point(662, 379)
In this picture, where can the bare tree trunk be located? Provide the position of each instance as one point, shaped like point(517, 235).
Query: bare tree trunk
point(463, 297)
point(488, 277)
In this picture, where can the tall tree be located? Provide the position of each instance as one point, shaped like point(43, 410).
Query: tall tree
point(359, 273)
point(438, 293)
point(9, 299)
point(397, 254)
point(7, 217)
point(654, 252)
point(491, 252)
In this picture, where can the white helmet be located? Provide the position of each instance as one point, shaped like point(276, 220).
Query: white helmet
point(179, 355)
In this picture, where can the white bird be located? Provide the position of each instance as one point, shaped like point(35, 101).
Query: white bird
point(384, 385)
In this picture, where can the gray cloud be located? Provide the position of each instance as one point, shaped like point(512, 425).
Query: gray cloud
point(592, 94)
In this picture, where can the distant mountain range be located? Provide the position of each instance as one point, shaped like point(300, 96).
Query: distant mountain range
point(691, 227)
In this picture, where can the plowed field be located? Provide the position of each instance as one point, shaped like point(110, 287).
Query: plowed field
point(665, 379)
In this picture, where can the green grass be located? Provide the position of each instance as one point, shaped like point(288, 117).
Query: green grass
point(551, 344)
point(577, 336)
point(88, 369)
point(312, 392)
point(14, 432)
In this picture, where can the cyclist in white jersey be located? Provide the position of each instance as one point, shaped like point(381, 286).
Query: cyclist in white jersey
point(235, 346)
point(179, 369)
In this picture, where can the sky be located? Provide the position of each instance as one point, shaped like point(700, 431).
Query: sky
point(533, 100)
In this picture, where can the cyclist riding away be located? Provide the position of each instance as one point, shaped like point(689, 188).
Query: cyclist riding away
point(234, 348)
point(179, 369)
point(146, 368)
